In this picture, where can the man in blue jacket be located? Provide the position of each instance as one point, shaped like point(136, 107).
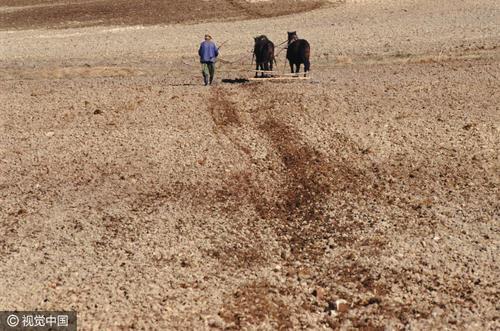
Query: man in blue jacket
point(208, 55)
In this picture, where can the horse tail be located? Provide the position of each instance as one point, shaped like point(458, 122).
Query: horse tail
point(271, 53)
point(307, 56)
point(307, 50)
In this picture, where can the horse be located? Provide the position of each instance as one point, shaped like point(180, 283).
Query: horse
point(264, 55)
point(298, 52)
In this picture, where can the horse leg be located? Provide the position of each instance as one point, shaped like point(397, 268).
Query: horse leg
point(307, 67)
point(271, 65)
point(256, 72)
point(292, 67)
point(266, 68)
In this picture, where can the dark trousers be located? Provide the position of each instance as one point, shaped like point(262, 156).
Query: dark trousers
point(208, 70)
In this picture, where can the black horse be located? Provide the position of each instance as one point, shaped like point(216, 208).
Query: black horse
point(264, 55)
point(298, 52)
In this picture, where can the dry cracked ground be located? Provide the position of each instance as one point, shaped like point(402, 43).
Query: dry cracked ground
point(145, 201)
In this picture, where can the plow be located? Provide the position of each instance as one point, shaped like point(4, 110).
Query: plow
point(278, 76)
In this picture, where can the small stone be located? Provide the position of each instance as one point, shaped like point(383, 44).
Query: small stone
point(157, 255)
point(50, 134)
point(330, 309)
point(373, 301)
point(277, 268)
point(304, 273)
point(215, 322)
point(437, 312)
point(332, 321)
point(341, 306)
point(97, 112)
point(285, 254)
point(319, 293)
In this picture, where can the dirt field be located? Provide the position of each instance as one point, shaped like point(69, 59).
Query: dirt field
point(75, 13)
point(143, 200)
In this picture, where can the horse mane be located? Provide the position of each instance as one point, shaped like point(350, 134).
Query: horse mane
point(261, 38)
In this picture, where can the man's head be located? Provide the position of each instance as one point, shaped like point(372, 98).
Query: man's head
point(208, 37)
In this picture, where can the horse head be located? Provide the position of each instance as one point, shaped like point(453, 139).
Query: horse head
point(292, 36)
point(260, 38)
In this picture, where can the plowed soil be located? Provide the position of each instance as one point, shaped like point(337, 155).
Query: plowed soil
point(74, 13)
point(143, 200)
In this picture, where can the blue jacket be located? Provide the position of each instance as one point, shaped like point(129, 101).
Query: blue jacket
point(208, 51)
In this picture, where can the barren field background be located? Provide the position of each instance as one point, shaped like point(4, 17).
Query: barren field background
point(143, 200)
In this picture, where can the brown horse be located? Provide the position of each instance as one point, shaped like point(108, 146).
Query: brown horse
point(298, 52)
point(264, 54)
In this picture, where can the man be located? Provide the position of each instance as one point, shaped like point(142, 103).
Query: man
point(208, 54)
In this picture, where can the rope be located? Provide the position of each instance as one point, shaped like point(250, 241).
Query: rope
point(282, 43)
point(222, 44)
point(284, 65)
point(281, 50)
point(222, 61)
point(235, 61)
